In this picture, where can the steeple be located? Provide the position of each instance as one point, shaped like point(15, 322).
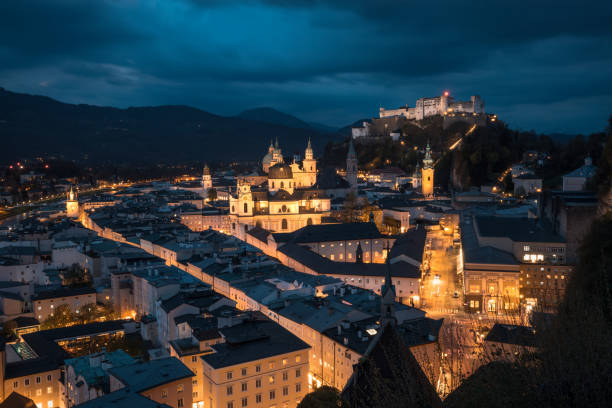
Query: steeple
point(206, 171)
point(351, 152)
point(351, 166)
point(387, 303)
point(427, 161)
point(271, 148)
point(308, 154)
point(359, 254)
point(71, 194)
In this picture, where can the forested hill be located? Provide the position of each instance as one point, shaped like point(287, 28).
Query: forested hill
point(36, 125)
point(481, 156)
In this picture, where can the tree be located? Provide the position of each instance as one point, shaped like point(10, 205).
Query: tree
point(212, 194)
point(76, 277)
point(323, 397)
point(62, 316)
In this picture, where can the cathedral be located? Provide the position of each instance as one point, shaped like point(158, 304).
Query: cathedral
point(285, 201)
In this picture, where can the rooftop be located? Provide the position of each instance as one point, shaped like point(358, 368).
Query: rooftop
point(143, 376)
point(255, 339)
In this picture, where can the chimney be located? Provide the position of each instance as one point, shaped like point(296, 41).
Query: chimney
point(339, 330)
point(346, 341)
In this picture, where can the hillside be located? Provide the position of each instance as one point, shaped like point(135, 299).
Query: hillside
point(273, 116)
point(36, 125)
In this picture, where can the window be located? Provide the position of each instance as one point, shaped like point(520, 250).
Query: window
point(297, 359)
point(297, 373)
point(228, 375)
point(49, 377)
point(271, 364)
point(37, 380)
point(298, 387)
point(194, 359)
point(258, 398)
point(49, 390)
point(38, 392)
point(257, 368)
point(26, 382)
point(180, 403)
point(271, 379)
point(179, 388)
point(284, 224)
point(230, 404)
point(285, 390)
point(164, 393)
point(245, 402)
point(258, 383)
point(229, 390)
point(285, 376)
point(244, 386)
point(272, 394)
point(244, 371)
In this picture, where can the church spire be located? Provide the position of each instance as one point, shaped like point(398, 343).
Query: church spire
point(427, 161)
point(308, 155)
point(387, 303)
point(351, 152)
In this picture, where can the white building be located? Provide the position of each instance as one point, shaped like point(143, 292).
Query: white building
point(577, 179)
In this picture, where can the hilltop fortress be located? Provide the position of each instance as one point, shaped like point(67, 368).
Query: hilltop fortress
point(439, 105)
point(444, 105)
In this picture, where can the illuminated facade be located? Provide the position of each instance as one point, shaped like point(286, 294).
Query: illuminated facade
point(72, 204)
point(285, 202)
point(427, 174)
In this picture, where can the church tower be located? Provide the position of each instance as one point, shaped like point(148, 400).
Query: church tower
point(206, 180)
point(309, 164)
point(427, 173)
point(72, 204)
point(351, 166)
point(387, 303)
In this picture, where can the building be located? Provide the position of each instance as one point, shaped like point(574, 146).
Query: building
point(206, 181)
point(165, 381)
point(439, 105)
point(45, 302)
point(527, 184)
point(259, 364)
point(72, 204)
point(427, 174)
point(285, 202)
point(491, 279)
point(571, 214)
point(577, 179)
point(87, 378)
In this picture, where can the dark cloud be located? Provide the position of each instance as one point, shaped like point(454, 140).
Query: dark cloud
point(543, 64)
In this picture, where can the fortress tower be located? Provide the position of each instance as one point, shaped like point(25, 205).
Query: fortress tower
point(427, 174)
point(351, 166)
point(72, 204)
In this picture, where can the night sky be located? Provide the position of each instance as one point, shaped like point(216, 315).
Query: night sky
point(539, 65)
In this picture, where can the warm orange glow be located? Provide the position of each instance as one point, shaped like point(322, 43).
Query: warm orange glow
point(445, 93)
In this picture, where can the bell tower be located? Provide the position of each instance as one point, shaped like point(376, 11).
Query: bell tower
point(206, 179)
point(427, 174)
point(72, 204)
point(309, 164)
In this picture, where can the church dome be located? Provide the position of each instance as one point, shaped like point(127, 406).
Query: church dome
point(280, 171)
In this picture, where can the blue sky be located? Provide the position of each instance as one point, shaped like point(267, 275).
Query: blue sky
point(543, 65)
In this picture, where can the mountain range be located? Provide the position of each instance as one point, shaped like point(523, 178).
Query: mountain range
point(32, 125)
